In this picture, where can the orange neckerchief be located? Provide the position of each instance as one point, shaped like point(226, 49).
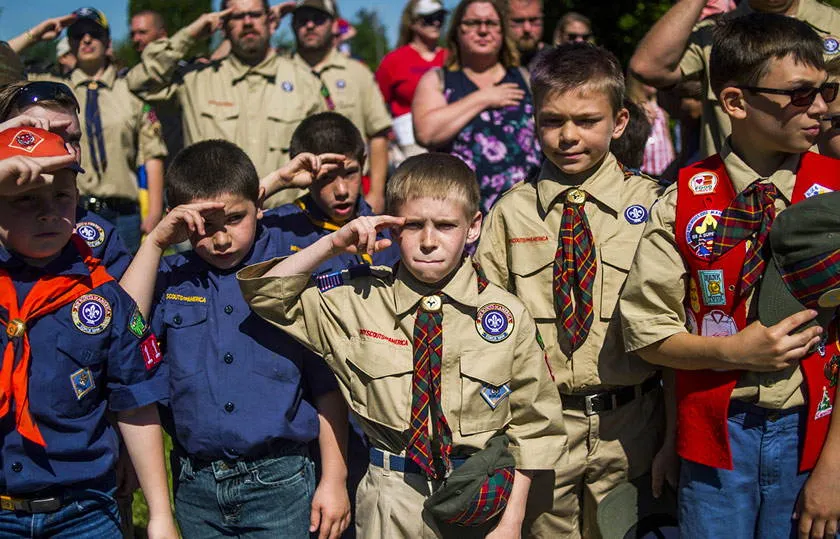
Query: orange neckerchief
point(49, 294)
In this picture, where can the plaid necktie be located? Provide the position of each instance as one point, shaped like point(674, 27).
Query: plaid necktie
point(425, 393)
point(574, 270)
point(325, 92)
point(93, 127)
point(752, 211)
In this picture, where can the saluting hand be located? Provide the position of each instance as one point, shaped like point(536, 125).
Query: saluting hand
point(50, 29)
point(207, 23)
point(279, 11)
point(182, 221)
point(359, 235)
point(300, 171)
point(762, 349)
point(19, 173)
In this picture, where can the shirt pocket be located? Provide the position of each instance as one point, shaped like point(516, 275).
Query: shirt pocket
point(533, 277)
point(80, 387)
point(485, 394)
point(284, 114)
point(380, 382)
point(220, 118)
point(615, 265)
point(186, 338)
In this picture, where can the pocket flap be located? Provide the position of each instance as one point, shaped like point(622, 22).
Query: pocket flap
point(221, 109)
point(378, 360)
point(525, 263)
point(180, 316)
point(616, 258)
point(475, 366)
point(80, 354)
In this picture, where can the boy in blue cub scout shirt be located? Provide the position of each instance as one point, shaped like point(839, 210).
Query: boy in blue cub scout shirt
point(238, 386)
point(74, 347)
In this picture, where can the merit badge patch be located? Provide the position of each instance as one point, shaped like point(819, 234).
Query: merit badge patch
point(703, 183)
point(82, 382)
point(718, 324)
point(151, 352)
point(700, 232)
point(494, 322)
point(636, 214)
point(691, 322)
point(824, 408)
point(136, 324)
point(693, 295)
point(26, 140)
point(340, 84)
point(712, 287)
point(91, 314)
point(817, 189)
point(832, 370)
point(287, 86)
point(493, 395)
point(93, 234)
point(830, 45)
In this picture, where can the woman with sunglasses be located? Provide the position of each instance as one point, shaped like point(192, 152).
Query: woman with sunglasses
point(479, 106)
point(417, 52)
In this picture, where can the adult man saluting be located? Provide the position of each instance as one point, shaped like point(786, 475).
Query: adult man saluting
point(252, 97)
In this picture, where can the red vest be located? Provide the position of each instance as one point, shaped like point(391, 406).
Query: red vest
point(714, 308)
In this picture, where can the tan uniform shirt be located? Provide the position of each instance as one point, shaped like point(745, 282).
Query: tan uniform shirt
point(132, 136)
point(652, 307)
point(354, 91)
point(517, 250)
point(257, 108)
point(364, 331)
point(825, 20)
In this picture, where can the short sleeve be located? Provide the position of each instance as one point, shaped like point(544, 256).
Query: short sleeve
point(491, 254)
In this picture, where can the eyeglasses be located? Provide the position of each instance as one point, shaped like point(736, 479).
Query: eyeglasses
point(77, 31)
point(316, 17)
point(435, 19)
point(578, 37)
point(38, 91)
point(240, 15)
point(520, 21)
point(800, 97)
point(475, 24)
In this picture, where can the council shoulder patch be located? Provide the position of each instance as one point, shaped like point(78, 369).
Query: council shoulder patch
point(494, 322)
point(93, 234)
point(91, 314)
point(137, 324)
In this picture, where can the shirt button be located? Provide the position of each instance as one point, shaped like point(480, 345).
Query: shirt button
point(228, 358)
point(229, 407)
point(228, 309)
point(177, 319)
point(17, 467)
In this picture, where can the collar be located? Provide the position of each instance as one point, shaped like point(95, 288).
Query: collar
point(741, 175)
point(810, 12)
point(461, 288)
point(80, 78)
point(600, 185)
point(267, 68)
point(333, 59)
point(68, 262)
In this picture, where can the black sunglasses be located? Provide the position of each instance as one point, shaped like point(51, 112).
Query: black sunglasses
point(435, 19)
point(240, 15)
point(78, 30)
point(800, 97)
point(301, 18)
point(38, 91)
point(575, 37)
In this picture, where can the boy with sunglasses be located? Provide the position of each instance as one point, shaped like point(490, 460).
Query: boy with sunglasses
point(829, 141)
point(753, 402)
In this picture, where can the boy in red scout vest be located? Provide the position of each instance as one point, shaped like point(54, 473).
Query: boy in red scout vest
point(74, 347)
point(753, 402)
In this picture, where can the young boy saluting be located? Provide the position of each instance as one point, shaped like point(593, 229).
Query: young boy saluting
point(239, 390)
point(563, 242)
point(68, 358)
point(434, 360)
point(750, 424)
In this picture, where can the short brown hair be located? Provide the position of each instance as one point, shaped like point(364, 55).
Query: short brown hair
point(327, 132)
point(508, 55)
point(744, 46)
point(208, 169)
point(578, 66)
point(9, 92)
point(433, 175)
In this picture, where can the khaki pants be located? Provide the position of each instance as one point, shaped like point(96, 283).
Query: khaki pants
point(604, 450)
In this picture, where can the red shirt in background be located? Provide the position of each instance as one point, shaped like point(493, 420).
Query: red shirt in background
point(398, 76)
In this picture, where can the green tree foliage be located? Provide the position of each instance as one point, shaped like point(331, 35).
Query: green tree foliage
point(370, 43)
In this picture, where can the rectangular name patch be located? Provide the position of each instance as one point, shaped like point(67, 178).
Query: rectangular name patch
point(376, 335)
point(186, 299)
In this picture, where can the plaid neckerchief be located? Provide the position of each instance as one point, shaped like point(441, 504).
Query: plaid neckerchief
point(574, 270)
point(751, 212)
point(93, 128)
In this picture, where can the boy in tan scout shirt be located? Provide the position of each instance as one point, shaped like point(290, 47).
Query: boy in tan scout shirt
point(571, 289)
point(753, 402)
point(488, 378)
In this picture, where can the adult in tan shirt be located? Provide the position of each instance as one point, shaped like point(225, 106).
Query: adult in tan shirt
point(252, 97)
point(346, 86)
point(678, 48)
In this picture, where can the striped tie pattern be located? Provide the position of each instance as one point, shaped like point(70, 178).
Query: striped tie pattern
point(93, 128)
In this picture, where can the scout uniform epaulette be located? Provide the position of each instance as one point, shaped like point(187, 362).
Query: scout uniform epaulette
point(333, 279)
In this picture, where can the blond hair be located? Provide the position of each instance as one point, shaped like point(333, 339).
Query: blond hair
point(406, 20)
point(508, 55)
point(433, 175)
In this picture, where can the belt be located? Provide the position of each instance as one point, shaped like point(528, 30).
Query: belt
point(390, 461)
point(609, 400)
point(31, 505)
point(275, 448)
point(122, 206)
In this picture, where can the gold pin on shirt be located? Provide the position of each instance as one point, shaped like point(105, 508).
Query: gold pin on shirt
point(431, 304)
point(575, 196)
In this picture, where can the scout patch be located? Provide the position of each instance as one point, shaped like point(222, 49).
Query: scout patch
point(93, 234)
point(492, 395)
point(703, 183)
point(91, 314)
point(824, 407)
point(151, 352)
point(718, 324)
point(636, 214)
point(832, 370)
point(700, 232)
point(691, 322)
point(831, 45)
point(494, 322)
point(340, 84)
point(82, 382)
point(817, 189)
point(693, 295)
point(711, 285)
point(136, 324)
point(287, 86)
point(26, 140)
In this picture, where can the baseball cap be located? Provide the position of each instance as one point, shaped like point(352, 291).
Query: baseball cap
point(91, 14)
point(630, 510)
point(33, 142)
point(804, 269)
point(428, 7)
point(327, 6)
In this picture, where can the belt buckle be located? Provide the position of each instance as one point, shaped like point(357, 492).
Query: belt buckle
point(587, 406)
point(44, 505)
point(7, 503)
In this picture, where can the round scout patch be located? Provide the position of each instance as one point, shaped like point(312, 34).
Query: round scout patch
point(700, 232)
point(287, 86)
point(93, 234)
point(703, 183)
point(494, 322)
point(636, 214)
point(831, 45)
point(91, 314)
point(340, 84)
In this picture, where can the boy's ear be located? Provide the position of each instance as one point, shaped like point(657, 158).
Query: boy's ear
point(733, 103)
point(475, 228)
point(622, 118)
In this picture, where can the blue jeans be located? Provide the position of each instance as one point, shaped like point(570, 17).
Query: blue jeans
point(90, 514)
point(127, 225)
point(757, 497)
point(269, 497)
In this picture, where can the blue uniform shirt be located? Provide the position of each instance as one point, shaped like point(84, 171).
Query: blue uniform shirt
point(236, 383)
point(302, 223)
point(102, 238)
point(74, 376)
